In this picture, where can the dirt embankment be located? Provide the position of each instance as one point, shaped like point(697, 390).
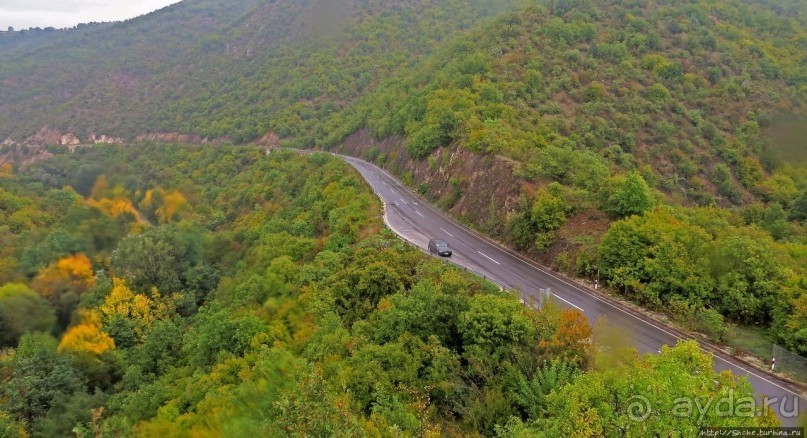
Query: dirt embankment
point(478, 189)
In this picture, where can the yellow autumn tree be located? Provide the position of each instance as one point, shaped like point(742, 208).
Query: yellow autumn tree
point(173, 202)
point(77, 267)
point(113, 202)
point(123, 303)
point(164, 205)
point(86, 337)
point(71, 273)
point(6, 170)
point(114, 206)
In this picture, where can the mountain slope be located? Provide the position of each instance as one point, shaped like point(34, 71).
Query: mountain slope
point(212, 68)
point(676, 92)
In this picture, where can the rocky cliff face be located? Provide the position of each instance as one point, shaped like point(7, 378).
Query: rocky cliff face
point(483, 191)
point(176, 137)
point(270, 139)
point(50, 136)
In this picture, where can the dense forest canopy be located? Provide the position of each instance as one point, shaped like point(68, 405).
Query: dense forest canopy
point(224, 292)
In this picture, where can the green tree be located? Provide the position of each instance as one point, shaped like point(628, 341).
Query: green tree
point(22, 311)
point(493, 328)
point(362, 289)
point(789, 324)
point(775, 221)
point(748, 275)
point(657, 257)
point(422, 311)
point(629, 195)
point(531, 395)
point(165, 257)
point(67, 412)
point(11, 428)
point(217, 334)
point(548, 211)
point(37, 375)
point(665, 387)
point(798, 209)
point(161, 348)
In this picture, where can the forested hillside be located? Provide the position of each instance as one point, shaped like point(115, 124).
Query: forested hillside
point(236, 69)
point(576, 91)
point(223, 292)
point(31, 39)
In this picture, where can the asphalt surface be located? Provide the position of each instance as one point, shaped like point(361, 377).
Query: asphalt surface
point(417, 221)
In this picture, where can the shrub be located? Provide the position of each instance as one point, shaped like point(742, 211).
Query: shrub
point(711, 323)
point(658, 93)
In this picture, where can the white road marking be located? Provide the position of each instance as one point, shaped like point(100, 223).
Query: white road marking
point(405, 203)
point(756, 375)
point(415, 203)
point(419, 213)
point(485, 256)
point(445, 231)
point(569, 303)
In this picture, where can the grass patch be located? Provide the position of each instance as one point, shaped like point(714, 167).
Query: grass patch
point(749, 340)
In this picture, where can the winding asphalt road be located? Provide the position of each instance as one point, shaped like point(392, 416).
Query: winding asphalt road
point(417, 221)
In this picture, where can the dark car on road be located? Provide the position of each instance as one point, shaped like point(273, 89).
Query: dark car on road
point(439, 247)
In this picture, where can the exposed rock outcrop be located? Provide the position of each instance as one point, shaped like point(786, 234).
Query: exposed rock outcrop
point(69, 139)
point(51, 136)
point(107, 139)
point(270, 140)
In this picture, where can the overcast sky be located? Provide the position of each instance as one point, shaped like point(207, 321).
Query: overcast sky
point(22, 14)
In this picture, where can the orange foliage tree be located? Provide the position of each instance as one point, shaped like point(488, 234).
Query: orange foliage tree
point(570, 337)
point(72, 273)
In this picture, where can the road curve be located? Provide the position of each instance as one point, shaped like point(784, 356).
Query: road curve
point(412, 218)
